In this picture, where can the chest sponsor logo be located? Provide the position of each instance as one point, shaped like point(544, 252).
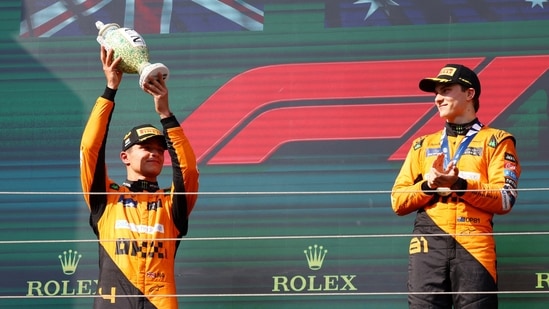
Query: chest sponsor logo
point(128, 202)
point(473, 151)
point(432, 152)
point(154, 205)
point(132, 203)
point(142, 249)
point(138, 228)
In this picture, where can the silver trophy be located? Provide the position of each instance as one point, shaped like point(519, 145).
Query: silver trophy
point(131, 47)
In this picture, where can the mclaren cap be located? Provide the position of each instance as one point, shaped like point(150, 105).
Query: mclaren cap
point(140, 134)
point(452, 74)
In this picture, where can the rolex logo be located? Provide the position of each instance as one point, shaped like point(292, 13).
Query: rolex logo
point(315, 256)
point(314, 283)
point(69, 261)
point(67, 286)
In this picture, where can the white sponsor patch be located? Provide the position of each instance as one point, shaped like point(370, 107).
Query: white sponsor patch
point(505, 200)
point(469, 175)
point(139, 228)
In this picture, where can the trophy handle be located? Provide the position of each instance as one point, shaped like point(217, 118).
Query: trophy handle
point(152, 71)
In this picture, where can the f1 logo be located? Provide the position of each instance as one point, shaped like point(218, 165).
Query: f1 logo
point(251, 116)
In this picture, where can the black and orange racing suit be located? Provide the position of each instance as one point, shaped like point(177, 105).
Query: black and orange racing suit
point(137, 232)
point(461, 256)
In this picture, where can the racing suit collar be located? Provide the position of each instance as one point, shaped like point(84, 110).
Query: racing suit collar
point(141, 185)
point(454, 129)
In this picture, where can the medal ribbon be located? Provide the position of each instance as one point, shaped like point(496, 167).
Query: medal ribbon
point(462, 146)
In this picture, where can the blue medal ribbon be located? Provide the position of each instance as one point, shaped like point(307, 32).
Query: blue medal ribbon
point(462, 146)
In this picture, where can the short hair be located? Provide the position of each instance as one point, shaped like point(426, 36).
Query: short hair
point(476, 100)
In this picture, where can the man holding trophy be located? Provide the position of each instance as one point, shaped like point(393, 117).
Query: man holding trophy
point(138, 224)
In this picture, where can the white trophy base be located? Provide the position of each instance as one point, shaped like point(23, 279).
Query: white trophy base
point(151, 71)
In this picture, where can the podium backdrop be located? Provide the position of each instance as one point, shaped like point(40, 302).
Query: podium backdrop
point(300, 113)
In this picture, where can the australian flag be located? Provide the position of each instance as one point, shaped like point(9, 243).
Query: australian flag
point(47, 18)
point(361, 13)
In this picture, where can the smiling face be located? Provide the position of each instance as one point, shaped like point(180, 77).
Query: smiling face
point(455, 103)
point(144, 161)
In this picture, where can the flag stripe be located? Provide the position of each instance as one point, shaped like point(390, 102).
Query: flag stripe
point(232, 13)
point(148, 13)
point(246, 9)
point(166, 16)
point(47, 24)
point(56, 16)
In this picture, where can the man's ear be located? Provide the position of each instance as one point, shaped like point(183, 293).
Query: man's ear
point(124, 157)
point(470, 93)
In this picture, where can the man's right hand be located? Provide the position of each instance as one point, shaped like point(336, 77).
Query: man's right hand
point(110, 68)
point(156, 87)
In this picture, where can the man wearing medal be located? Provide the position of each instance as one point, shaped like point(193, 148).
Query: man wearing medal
point(455, 180)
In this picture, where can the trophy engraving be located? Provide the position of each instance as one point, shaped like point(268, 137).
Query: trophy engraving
point(131, 47)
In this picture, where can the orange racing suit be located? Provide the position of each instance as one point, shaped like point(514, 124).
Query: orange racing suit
point(461, 256)
point(136, 231)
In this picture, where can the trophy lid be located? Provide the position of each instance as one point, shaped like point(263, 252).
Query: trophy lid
point(103, 27)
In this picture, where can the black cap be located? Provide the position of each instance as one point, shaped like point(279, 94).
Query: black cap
point(140, 134)
point(452, 73)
